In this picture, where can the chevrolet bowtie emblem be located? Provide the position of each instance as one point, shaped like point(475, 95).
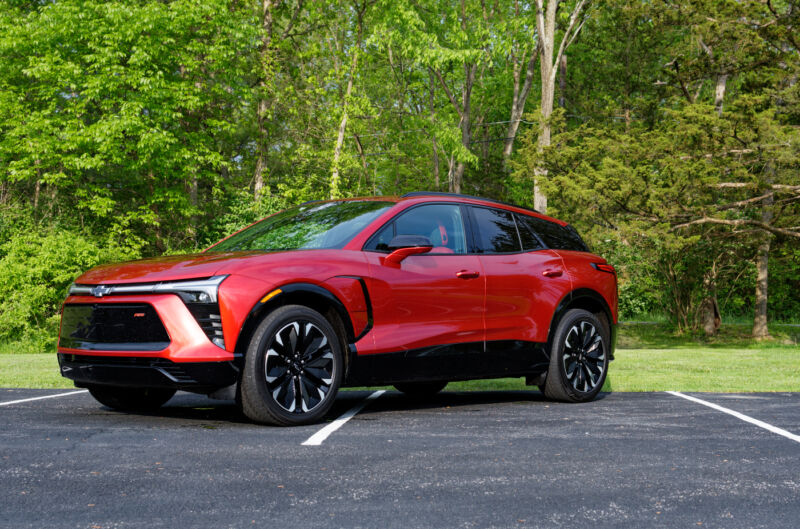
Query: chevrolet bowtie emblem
point(100, 290)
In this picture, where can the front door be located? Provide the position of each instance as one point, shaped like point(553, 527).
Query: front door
point(430, 301)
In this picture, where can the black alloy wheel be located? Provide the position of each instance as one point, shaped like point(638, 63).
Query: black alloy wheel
point(293, 368)
point(299, 366)
point(578, 358)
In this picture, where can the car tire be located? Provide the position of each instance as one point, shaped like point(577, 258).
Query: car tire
point(579, 356)
point(293, 368)
point(419, 390)
point(131, 399)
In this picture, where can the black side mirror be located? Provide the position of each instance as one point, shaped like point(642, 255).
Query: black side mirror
point(404, 245)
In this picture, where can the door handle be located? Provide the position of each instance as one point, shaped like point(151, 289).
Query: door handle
point(552, 272)
point(467, 274)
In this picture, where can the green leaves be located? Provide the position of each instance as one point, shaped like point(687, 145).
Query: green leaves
point(35, 271)
point(139, 123)
point(110, 94)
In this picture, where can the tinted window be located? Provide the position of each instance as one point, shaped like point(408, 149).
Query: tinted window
point(556, 236)
point(441, 223)
point(313, 225)
point(496, 231)
point(529, 240)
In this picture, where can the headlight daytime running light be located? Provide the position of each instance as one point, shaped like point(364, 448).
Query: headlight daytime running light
point(191, 291)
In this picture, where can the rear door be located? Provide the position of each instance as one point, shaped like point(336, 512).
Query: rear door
point(524, 281)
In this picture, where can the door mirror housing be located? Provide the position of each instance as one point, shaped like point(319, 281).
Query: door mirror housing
point(402, 246)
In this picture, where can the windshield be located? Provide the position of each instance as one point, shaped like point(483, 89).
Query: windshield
point(307, 226)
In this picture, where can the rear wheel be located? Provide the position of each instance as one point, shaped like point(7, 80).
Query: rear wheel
point(578, 358)
point(131, 399)
point(293, 368)
point(420, 389)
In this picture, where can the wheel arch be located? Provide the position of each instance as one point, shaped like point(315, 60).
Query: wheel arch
point(587, 299)
point(309, 295)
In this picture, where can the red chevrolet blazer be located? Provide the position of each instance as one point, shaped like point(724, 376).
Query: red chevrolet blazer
point(412, 291)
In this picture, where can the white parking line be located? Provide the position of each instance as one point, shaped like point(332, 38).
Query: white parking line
point(317, 438)
point(745, 418)
point(9, 403)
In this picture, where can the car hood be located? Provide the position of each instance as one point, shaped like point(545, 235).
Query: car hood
point(172, 268)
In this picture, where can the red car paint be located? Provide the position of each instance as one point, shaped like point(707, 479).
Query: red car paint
point(422, 301)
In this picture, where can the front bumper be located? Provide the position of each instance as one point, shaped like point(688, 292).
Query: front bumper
point(187, 342)
point(131, 371)
point(186, 360)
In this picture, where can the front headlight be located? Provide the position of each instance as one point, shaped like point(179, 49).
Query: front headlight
point(191, 291)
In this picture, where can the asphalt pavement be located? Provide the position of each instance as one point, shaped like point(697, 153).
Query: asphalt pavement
point(459, 460)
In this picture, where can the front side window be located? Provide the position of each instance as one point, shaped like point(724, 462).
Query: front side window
point(496, 231)
point(440, 223)
point(316, 225)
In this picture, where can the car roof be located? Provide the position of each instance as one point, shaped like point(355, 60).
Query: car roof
point(427, 196)
point(424, 196)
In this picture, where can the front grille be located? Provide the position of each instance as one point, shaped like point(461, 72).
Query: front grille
point(112, 327)
point(208, 317)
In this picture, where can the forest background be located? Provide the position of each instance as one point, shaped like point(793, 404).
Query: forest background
point(666, 131)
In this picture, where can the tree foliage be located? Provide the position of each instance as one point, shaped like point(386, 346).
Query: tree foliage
point(143, 127)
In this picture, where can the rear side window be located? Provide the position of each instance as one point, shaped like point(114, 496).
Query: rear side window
point(554, 235)
point(529, 239)
point(496, 231)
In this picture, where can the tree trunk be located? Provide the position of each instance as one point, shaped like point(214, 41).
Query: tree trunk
point(562, 81)
point(264, 101)
point(760, 329)
point(36, 189)
point(520, 96)
point(709, 308)
point(546, 26)
point(546, 110)
point(450, 172)
point(433, 133)
point(711, 317)
point(335, 182)
point(456, 177)
point(465, 125)
point(160, 246)
point(193, 200)
point(719, 93)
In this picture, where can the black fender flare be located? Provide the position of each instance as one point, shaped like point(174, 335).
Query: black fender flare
point(286, 293)
point(575, 297)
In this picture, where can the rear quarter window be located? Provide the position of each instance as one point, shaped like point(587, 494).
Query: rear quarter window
point(496, 231)
point(554, 235)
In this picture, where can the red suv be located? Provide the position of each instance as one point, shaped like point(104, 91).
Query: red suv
point(413, 291)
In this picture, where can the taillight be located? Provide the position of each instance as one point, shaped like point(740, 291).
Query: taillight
point(604, 267)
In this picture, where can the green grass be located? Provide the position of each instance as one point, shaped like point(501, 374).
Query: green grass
point(723, 369)
point(31, 371)
point(648, 358)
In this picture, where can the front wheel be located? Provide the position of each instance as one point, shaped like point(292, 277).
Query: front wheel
point(293, 368)
point(578, 358)
point(131, 399)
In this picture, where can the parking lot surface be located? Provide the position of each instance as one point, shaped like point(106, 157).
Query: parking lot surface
point(478, 459)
